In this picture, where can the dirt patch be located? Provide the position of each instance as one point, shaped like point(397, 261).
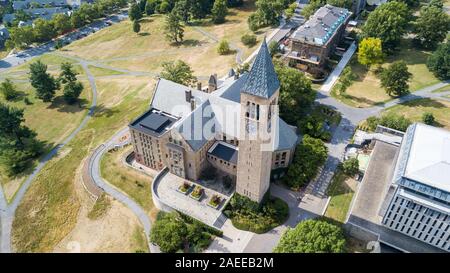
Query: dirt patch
point(114, 231)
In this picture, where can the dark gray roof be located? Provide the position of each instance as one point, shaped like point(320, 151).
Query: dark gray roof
point(322, 25)
point(225, 152)
point(153, 122)
point(262, 80)
point(192, 128)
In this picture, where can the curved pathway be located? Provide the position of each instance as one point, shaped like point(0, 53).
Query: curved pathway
point(7, 212)
point(95, 174)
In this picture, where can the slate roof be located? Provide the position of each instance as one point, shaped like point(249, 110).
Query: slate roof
point(221, 108)
point(193, 129)
point(224, 152)
point(153, 122)
point(262, 80)
point(424, 161)
point(322, 25)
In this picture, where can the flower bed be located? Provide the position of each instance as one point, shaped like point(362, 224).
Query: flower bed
point(215, 201)
point(184, 188)
point(197, 193)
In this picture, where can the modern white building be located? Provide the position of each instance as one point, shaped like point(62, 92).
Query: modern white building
point(417, 202)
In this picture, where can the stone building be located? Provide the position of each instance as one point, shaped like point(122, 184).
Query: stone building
point(188, 130)
point(314, 42)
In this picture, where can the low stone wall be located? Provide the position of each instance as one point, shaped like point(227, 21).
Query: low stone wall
point(155, 197)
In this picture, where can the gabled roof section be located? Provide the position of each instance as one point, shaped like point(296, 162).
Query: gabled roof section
point(262, 80)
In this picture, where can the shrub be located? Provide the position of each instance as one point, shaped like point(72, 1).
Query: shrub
point(428, 118)
point(223, 48)
point(273, 48)
point(391, 120)
point(246, 214)
point(249, 40)
point(351, 166)
point(308, 157)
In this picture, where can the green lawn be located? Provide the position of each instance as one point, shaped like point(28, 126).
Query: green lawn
point(130, 181)
point(414, 110)
point(341, 193)
point(366, 90)
point(100, 71)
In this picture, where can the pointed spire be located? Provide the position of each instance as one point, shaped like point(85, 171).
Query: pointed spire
point(262, 79)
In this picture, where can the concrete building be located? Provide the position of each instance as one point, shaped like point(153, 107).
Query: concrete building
point(188, 130)
point(403, 199)
point(313, 42)
point(417, 203)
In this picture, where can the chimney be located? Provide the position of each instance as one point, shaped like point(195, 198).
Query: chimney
point(188, 94)
point(199, 86)
point(192, 104)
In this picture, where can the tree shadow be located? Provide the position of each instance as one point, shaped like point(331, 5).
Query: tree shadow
point(146, 20)
point(425, 102)
point(192, 42)
point(62, 106)
point(143, 34)
point(20, 95)
point(103, 111)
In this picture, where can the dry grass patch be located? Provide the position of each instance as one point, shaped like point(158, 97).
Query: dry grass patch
point(48, 212)
point(115, 90)
point(119, 40)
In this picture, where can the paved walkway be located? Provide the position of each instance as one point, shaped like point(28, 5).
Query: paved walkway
point(334, 76)
point(7, 212)
point(94, 171)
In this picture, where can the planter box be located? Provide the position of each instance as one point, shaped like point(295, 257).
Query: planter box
point(196, 197)
point(179, 189)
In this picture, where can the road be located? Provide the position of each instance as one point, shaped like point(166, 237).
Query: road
point(26, 55)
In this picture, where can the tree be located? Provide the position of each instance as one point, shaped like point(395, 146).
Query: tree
point(219, 11)
point(181, 9)
point(312, 236)
point(296, 93)
point(43, 82)
point(44, 30)
point(269, 11)
point(253, 22)
point(308, 157)
point(18, 144)
point(76, 21)
point(135, 12)
point(136, 26)
point(224, 47)
point(169, 233)
point(150, 7)
point(173, 28)
point(341, 3)
point(432, 26)
point(387, 22)
point(289, 12)
point(249, 40)
point(179, 72)
point(439, 62)
point(437, 3)
point(8, 90)
point(370, 51)
point(21, 38)
point(311, 8)
point(62, 23)
point(67, 73)
point(428, 118)
point(235, 3)
point(395, 78)
point(72, 91)
point(351, 166)
point(273, 47)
